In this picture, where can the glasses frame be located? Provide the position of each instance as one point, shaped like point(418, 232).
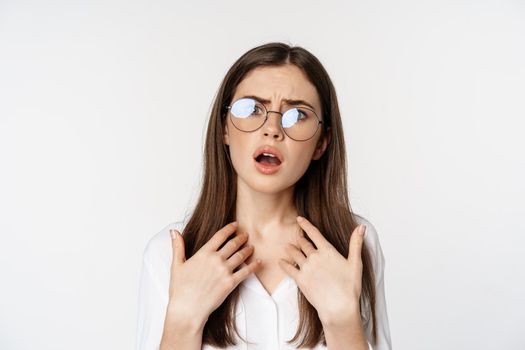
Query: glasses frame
point(319, 121)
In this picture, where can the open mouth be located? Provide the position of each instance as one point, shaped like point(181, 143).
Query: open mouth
point(267, 160)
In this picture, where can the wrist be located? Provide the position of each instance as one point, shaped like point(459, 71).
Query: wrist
point(344, 317)
point(180, 333)
point(178, 318)
point(188, 325)
point(350, 315)
point(346, 333)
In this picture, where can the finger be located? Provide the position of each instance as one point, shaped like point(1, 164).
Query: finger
point(315, 235)
point(220, 236)
point(245, 271)
point(356, 244)
point(289, 268)
point(305, 246)
point(296, 254)
point(177, 243)
point(232, 245)
point(237, 258)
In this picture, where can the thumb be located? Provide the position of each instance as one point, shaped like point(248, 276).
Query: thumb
point(177, 242)
point(356, 243)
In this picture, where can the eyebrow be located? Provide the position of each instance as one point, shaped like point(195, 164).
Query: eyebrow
point(286, 100)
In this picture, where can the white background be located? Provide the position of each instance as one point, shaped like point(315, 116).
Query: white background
point(103, 111)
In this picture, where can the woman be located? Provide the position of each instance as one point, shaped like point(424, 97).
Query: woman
point(243, 271)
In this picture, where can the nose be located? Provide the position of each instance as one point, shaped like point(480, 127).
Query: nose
point(272, 125)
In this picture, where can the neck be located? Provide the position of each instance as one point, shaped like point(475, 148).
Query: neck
point(264, 215)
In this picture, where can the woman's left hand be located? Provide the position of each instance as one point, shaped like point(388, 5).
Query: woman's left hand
point(330, 282)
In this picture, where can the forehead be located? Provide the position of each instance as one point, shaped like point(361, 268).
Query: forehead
point(280, 82)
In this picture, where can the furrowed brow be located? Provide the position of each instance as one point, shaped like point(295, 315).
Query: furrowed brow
point(288, 101)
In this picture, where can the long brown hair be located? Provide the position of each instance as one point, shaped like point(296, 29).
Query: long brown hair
point(320, 195)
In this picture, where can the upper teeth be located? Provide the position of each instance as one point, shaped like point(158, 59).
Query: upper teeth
point(269, 154)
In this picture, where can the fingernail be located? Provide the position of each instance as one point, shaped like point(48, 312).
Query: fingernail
point(235, 223)
point(300, 218)
point(363, 229)
point(172, 233)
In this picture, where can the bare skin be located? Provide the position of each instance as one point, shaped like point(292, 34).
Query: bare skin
point(270, 274)
point(265, 206)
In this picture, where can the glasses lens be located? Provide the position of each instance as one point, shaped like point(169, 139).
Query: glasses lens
point(298, 123)
point(248, 114)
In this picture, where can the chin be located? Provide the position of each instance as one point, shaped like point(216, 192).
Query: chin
point(270, 185)
point(267, 186)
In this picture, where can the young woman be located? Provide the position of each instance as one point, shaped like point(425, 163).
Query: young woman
point(271, 257)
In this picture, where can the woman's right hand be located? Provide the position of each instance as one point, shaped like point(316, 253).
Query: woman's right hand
point(200, 284)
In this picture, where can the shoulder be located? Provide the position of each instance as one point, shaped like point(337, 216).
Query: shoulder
point(373, 244)
point(158, 250)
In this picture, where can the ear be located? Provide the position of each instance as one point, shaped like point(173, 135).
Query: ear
point(226, 138)
point(322, 144)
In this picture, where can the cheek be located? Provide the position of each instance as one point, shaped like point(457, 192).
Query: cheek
point(239, 148)
point(302, 156)
point(299, 162)
point(237, 156)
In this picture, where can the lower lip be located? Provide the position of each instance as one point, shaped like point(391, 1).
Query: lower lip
point(267, 169)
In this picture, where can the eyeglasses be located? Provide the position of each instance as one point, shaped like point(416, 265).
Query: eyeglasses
point(248, 114)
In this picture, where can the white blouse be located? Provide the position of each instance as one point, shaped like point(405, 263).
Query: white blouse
point(265, 320)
